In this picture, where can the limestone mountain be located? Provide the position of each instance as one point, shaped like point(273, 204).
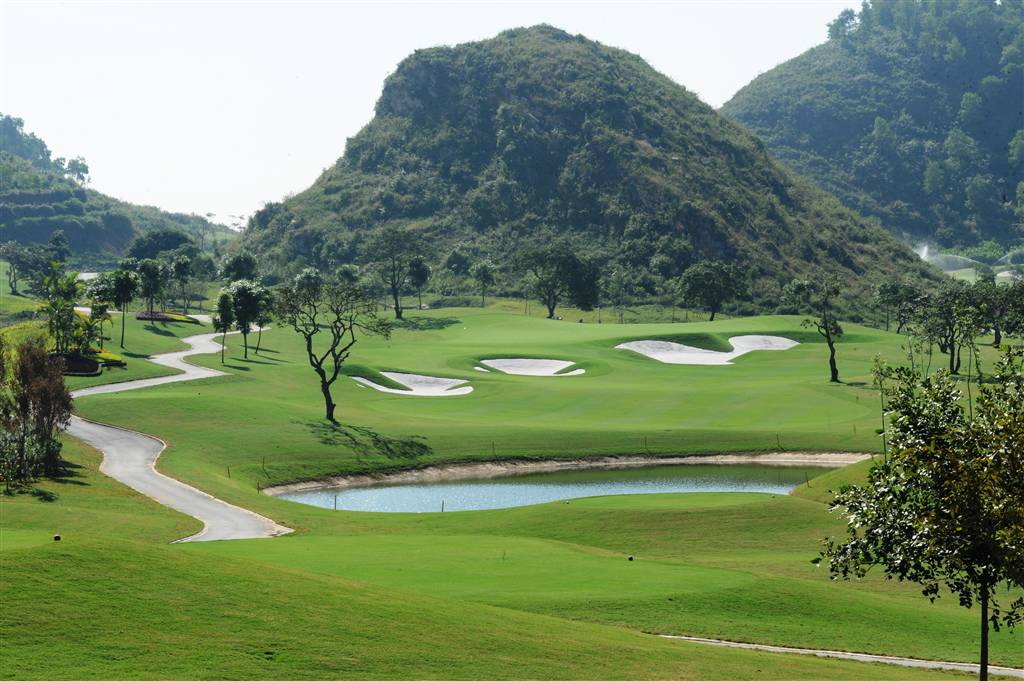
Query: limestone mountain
point(912, 112)
point(490, 147)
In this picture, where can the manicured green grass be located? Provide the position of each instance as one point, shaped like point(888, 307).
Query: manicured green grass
point(731, 566)
point(121, 606)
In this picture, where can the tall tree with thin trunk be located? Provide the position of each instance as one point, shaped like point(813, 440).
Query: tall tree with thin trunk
point(818, 297)
point(391, 251)
point(483, 274)
point(712, 283)
point(125, 284)
point(419, 275)
point(327, 314)
point(945, 508)
point(224, 319)
point(246, 297)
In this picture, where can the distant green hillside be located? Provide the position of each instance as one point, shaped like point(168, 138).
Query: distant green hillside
point(493, 146)
point(40, 194)
point(912, 112)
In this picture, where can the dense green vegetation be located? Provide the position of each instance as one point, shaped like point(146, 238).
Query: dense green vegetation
point(910, 113)
point(41, 194)
point(488, 149)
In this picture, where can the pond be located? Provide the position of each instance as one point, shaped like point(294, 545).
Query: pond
point(539, 488)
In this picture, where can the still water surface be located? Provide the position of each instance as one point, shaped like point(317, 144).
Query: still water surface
point(538, 488)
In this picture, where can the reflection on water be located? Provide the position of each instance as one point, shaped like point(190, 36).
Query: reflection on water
point(538, 488)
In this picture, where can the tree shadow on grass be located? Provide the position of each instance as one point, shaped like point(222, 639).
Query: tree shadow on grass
point(158, 331)
point(43, 495)
point(366, 441)
point(425, 323)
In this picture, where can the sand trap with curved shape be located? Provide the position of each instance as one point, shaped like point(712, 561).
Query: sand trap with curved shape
point(532, 367)
point(423, 386)
point(676, 353)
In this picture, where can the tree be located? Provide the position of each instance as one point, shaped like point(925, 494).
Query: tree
point(391, 252)
point(224, 319)
point(818, 297)
point(264, 314)
point(483, 273)
point(18, 260)
point(949, 318)
point(152, 275)
point(620, 289)
point(311, 306)
point(899, 299)
point(125, 284)
point(238, 266)
point(101, 293)
point(60, 291)
point(152, 244)
point(181, 271)
point(944, 507)
point(247, 297)
point(992, 303)
point(710, 283)
point(419, 275)
point(57, 247)
point(35, 406)
point(843, 26)
point(557, 273)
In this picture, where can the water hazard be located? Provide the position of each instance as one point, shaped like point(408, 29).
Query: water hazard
point(538, 488)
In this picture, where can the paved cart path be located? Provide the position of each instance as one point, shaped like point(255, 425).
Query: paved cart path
point(857, 657)
point(130, 457)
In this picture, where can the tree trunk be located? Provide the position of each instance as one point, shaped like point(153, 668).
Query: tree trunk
point(328, 402)
point(259, 339)
point(833, 369)
point(398, 302)
point(887, 319)
point(223, 344)
point(713, 311)
point(954, 366)
point(551, 310)
point(124, 313)
point(419, 299)
point(998, 333)
point(245, 344)
point(483, 299)
point(983, 664)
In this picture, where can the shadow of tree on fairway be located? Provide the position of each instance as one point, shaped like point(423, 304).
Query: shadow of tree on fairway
point(425, 323)
point(365, 441)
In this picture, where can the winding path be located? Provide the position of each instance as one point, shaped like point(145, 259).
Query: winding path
point(130, 457)
point(914, 662)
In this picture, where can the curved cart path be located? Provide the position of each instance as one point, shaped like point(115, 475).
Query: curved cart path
point(937, 665)
point(130, 457)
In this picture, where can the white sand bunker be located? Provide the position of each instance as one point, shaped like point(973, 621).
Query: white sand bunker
point(533, 367)
point(423, 386)
point(676, 353)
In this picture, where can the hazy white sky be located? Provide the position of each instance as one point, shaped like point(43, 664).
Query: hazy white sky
point(219, 107)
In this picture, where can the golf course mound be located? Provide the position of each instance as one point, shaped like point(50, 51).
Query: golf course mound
point(532, 367)
point(676, 353)
point(417, 384)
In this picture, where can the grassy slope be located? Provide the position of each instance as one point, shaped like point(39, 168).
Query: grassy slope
point(756, 549)
point(125, 605)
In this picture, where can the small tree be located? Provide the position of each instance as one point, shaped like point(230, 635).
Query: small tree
point(945, 507)
point(419, 275)
point(950, 318)
point(311, 305)
point(557, 273)
point(899, 300)
point(391, 252)
point(151, 281)
point(181, 271)
point(818, 297)
point(238, 266)
point(247, 297)
point(58, 249)
point(483, 273)
point(264, 314)
point(125, 284)
point(100, 292)
point(712, 283)
point(224, 319)
point(60, 291)
point(35, 406)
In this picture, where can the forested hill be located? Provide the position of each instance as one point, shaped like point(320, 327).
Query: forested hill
point(494, 146)
point(40, 194)
point(912, 112)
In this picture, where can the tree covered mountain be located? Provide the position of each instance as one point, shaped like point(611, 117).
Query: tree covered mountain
point(912, 112)
point(491, 148)
point(40, 194)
